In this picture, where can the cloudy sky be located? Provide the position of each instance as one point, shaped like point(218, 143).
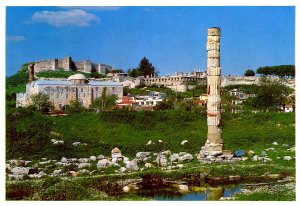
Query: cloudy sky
point(172, 38)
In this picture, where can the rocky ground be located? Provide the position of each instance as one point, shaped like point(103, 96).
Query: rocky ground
point(119, 164)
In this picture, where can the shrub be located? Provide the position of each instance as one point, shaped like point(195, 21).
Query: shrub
point(64, 190)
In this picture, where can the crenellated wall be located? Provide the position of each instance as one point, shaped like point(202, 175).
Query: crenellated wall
point(68, 64)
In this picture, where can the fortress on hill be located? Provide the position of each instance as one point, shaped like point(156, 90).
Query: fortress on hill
point(67, 64)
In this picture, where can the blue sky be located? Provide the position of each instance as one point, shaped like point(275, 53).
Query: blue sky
point(172, 38)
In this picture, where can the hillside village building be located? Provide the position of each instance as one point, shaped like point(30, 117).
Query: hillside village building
point(142, 102)
point(67, 64)
point(61, 92)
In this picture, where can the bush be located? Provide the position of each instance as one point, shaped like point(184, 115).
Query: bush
point(64, 190)
point(19, 191)
point(27, 132)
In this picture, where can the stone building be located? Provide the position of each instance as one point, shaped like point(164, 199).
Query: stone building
point(176, 78)
point(68, 64)
point(61, 92)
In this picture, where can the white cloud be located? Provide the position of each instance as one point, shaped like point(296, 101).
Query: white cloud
point(15, 38)
point(74, 17)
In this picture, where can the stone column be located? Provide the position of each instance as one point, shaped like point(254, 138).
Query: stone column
point(214, 143)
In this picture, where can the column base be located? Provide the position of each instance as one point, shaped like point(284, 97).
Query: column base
point(213, 152)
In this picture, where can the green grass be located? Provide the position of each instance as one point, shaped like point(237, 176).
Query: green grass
point(130, 131)
point(278, 192)
point(60, 73)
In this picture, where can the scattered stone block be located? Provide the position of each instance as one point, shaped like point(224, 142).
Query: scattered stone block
point(126, 189)
point(18, 163)
point(83, 165)
point(179, 165)
point(76, 144)
point(64, 160)
point(15, 177)
point(251, 152)
point(183, 188)
point(57, 172)
point(148, 165)
point(125, 159)
point(142, 155)
point(83, 160)
point(93, 158)
point(174, 157)
point(83, 171)
point(7, 168)
point(100, 157)
point(255, 158)
point(132, 165)
point(167, 152)
point(287, 158)
point(73, 173)
point(185, 157)
point(103, 163)
point(184, 142)
point(22, 170)
point(116, 152)
point(122, 169)
point(161, 160)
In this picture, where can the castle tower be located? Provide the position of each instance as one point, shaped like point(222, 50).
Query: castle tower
point(66, 63)
point(30, 73)
point(214, 142)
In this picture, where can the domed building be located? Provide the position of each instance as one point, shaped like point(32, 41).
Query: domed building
point(77, 79)
point(61, 92)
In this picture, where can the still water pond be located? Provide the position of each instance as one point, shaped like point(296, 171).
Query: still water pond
point(209, 193)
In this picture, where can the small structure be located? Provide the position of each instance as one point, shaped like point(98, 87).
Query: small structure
point(126, 101)
point(116, 153)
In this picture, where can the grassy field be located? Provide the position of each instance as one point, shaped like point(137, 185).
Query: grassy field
point(130, 131)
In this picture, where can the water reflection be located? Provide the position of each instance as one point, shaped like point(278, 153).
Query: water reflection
point(210, 193)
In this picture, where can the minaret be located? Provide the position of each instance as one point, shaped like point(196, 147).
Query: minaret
point(214, 142)
point(30, 73)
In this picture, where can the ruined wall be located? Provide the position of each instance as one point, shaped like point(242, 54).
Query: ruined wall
point(44, 65)
point(68, 64)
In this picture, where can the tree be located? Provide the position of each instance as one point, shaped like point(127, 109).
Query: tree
point(165, 104)
point(41, 102)
point(75, 106)
point(145, 68)
point(105, 102)
point(281, 70)
point(270, 95)
point(135, 72)
point(249, 73)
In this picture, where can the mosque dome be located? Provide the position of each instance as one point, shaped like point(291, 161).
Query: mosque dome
point(77, 77)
